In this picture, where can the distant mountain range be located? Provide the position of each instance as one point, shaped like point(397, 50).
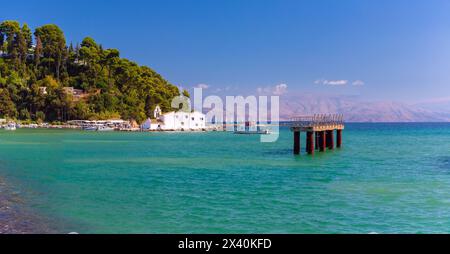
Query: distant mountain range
point(356, 110)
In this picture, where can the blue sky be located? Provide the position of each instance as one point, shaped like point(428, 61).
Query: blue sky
point(393, 49)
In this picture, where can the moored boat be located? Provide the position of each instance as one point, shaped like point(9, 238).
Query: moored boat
point(97, 127)
point(89, 128)
point(104, 128)
point(10, 127)
point(251, 128)
point(261, 132)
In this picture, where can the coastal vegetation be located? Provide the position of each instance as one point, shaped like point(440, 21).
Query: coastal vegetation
point(42, 78)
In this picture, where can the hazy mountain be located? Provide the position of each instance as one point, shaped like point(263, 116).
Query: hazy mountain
point(436, 105)
point(356, 110)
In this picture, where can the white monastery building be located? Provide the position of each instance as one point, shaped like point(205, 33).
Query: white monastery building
point(177, 121)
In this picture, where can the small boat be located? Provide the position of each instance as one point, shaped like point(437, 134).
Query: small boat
point(251, 128)
point(248, 132)
point(97, 128)
point(104, 128)
point(10, 127)
point(89, 128)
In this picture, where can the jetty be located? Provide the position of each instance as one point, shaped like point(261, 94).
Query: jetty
point(319, 129)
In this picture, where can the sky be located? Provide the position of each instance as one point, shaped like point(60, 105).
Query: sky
point(375, 49)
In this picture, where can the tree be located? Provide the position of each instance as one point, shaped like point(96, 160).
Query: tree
point(90, 54)
point(22, 52)
point(80, 111)
point(7, 106)
point(50, 83)
point(37, 52)
point(115, 87)
point(110, 57)
point(2, 40)
point(24, 114)
point(26, 32)
point(53, 46)
point(11, 31)
point(40, 116)
point(24, 43)
point(186, 94)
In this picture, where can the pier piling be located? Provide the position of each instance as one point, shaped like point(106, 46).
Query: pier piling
point(296, 142)
point(323, 141)
point(330, 139)
point(310, 142)
point(319, 132)
point(317, 141)
point(339, 138)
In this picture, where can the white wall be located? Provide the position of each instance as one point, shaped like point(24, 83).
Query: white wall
point(182, 120)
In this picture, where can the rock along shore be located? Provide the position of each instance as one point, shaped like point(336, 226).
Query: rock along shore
point(15, 218)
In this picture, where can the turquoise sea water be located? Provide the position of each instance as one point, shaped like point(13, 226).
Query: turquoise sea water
point(387, 178)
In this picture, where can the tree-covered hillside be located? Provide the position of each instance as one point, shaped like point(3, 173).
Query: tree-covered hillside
point(38, 71)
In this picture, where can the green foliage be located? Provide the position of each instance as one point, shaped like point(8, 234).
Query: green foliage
point(24, 114)
point(105, 115)
point(7, 106)
point(53, 48)
point(40, 116)
point(80, 110)
point(186, 94)
point(33, 79)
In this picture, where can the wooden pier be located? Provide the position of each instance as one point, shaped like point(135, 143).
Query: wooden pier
point(319, 129)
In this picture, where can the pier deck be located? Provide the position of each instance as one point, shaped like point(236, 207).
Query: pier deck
point(319, 130)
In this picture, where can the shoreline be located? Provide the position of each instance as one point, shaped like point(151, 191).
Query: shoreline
point(76, 127)
point(16, 218)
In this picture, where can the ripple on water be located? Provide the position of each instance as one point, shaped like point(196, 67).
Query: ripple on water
point(273, 152)
point(15, 218)
point(223, 183)
point(444, 162)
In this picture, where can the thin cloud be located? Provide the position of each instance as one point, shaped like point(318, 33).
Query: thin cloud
point(202, 86)
point(341, 82)
point(338, 82)
point(273, 90)
point(280, 89)
point(358, 83)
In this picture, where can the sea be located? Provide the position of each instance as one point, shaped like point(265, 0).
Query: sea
point(387, 178)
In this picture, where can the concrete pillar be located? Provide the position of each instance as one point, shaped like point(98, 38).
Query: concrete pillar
point(339, 139)
point(310, 142)
point(330, 140)
point(296, 142)
point(323, 141)
point(317, 142)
